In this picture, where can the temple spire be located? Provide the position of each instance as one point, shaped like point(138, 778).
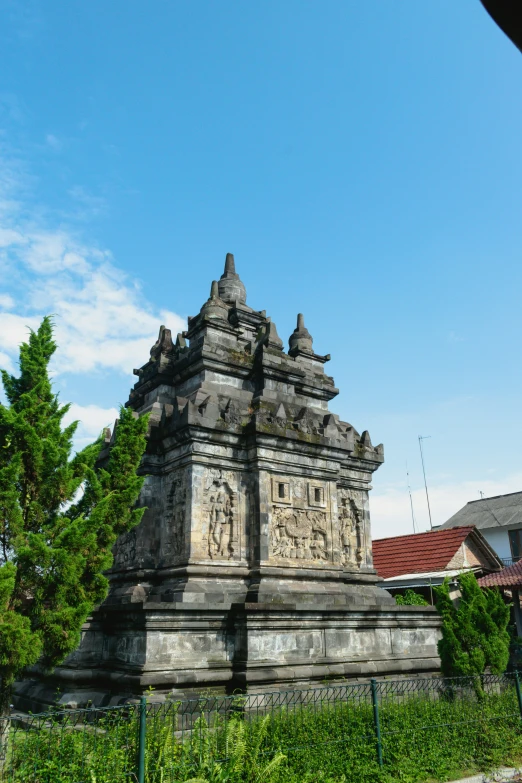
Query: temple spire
point(231, 289)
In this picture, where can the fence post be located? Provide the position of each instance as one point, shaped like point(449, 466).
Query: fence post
point(519, 694)
point(141, 740)
point(376, 720)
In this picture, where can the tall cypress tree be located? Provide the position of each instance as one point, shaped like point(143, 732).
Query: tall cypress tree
point(59, 517)
point(474, 630)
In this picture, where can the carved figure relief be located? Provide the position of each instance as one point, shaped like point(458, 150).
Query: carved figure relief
point(176, 495)
point(125, 549)
point(220, 523)
point(221, 505)
point(299, 534)
point(351, 529)
point(138, 547)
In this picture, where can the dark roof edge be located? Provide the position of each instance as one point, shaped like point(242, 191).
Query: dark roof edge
point(424, 533)
point(493, 497)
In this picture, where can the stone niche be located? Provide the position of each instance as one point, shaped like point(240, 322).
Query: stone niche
point(252, 566)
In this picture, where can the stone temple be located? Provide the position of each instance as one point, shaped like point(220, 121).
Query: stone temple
point(252, 566)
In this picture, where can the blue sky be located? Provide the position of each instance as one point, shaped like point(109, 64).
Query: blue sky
point(361, 160)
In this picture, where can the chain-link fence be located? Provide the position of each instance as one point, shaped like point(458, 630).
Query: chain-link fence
point(350, 726)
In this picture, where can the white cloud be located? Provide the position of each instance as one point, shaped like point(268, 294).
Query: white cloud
point(102, 321)
point(92, 420)
point(9, 237)
point(391, 511)
point(6, 363)
point(6, 301)
point(51, 252)
point(14, 329)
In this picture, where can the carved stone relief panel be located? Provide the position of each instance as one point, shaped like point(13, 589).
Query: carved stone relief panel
point(173, 543)
point(353, 539)
point(125, 550)
point(298, 491)
point(300, 534)
point(138, 547)
point(220, 511)
point(300, 521)
point(248, 523)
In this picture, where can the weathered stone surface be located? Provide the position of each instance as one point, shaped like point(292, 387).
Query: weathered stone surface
point(252, 566)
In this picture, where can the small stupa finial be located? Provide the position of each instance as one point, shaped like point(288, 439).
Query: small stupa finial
point(300, 339)
point(214, 307)
point(163, 344)
point(231, 289)
point(230, 264)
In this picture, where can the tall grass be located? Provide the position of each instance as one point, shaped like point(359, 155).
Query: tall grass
point(423, 739)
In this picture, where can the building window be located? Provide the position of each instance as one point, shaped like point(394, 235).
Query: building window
point(317, 493)
point(281, 491)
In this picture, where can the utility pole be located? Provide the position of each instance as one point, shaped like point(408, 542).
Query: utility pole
point(421, 438)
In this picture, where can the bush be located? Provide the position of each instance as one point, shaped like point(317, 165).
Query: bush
point(474, 630)
point(410, 598)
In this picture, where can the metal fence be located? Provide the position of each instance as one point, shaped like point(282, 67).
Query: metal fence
point(171, 742)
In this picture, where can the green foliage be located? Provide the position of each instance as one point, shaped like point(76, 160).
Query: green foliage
point(242, 752)
point(441, 738)
point(54, 547)
point(410, 598)
point(474, 630)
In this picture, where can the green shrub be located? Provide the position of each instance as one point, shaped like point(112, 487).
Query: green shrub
point(474, 630)
point(244, 760)
point(410, 598)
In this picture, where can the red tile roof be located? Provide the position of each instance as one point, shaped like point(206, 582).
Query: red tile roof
point(508, 577)
point(418, 553)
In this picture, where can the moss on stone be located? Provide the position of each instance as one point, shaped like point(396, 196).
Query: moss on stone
point(240, 357)
point(308, 437)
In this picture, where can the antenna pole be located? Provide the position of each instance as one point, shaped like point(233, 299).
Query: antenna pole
point(421, 438)
point(411, 499)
